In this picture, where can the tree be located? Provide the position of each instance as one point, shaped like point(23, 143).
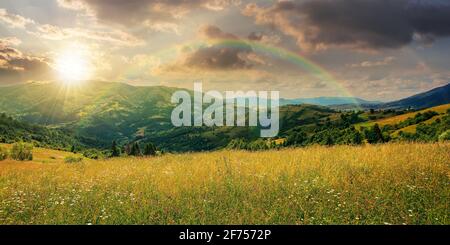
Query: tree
point(328, 140)
point(377, 132)
point(150, 149)
point(357, 138)
point(374, 134)
point(135, 150)
point(115, 151)
point(127, 149)
point(296, 138)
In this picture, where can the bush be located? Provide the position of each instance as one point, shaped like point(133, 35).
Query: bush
point(22, 151)
point(73, 159)
point(94, 154)
point(445, 136)
point(3, 153)
point(237, 144)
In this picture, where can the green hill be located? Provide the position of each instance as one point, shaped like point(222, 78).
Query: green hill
point(12, 130)
point(94, 114)
point(103, 112)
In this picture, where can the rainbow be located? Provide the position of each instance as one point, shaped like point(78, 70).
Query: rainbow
point(305, 64)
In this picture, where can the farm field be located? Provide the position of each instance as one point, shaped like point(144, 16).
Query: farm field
point(370, 184)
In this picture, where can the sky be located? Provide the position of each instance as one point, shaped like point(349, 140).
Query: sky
point(372, 49)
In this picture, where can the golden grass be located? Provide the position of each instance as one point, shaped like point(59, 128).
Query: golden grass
point(397, 119)
point(393, 120)
point(373, 184)
point(412, 128)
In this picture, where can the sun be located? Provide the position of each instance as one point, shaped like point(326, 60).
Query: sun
point(72, 65)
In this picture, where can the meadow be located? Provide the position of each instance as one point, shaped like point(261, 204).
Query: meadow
point(371, 184)
point(441, 109)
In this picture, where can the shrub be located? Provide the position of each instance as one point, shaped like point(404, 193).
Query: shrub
point(237, 144)
point(3, 153)
point(445, 136)
point(92, 154)
point(22, 151)
point(73, 159)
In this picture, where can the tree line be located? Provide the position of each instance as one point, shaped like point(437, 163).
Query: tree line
point(343, 132)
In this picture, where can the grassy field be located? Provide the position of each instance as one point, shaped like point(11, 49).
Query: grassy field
point(381, 184)
point(397, 119)
point(412, 128)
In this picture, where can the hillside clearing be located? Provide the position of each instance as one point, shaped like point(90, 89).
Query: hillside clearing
point(397, 119)
point(393, 120)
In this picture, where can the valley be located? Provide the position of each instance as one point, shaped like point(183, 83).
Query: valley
point(94, 114)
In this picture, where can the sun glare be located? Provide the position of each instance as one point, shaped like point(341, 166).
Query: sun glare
point(73, 65)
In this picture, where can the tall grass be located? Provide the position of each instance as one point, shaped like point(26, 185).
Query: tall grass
point(381, 184)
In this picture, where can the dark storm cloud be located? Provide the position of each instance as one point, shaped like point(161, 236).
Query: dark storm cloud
point(371, 24)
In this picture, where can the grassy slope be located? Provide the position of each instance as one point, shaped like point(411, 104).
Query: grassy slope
point(102, 112)
point(396, 119)
point(412, 128)
point(40, 155)
point(374, 184)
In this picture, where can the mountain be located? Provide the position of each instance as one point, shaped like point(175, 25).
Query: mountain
point(94, 114)
point(326, 101)
point(100, 112)
point(434, 97)
point(12, 130)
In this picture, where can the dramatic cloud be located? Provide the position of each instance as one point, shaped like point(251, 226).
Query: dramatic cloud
point(370, 24)
point(219, 56)
point(17, 67)
point(223, 43)
point(13, 20)
point(149, 12)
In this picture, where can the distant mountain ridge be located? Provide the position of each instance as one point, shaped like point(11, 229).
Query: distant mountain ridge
point(433, 97)
point(327, 101)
